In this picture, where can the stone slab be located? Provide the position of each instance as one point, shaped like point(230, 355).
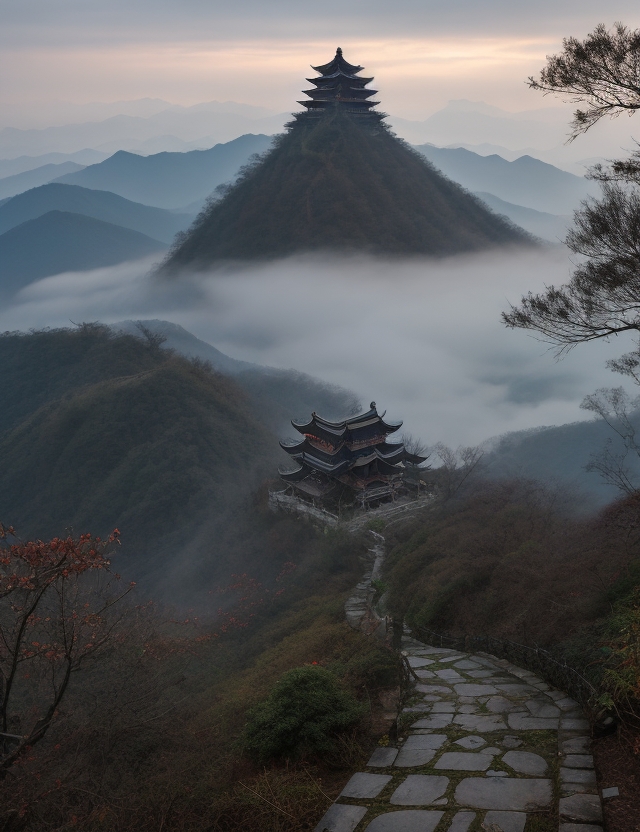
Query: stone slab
point(542, 709)
point(436, 721)
point(584, 808)
point(504, 793)
point(468, 709)
point(570, 724)
point(462, 821)
point(525, 762)
point(467, 664)
point(383, 757)
point(419, 790)
point(411, 757)
point(434, 741)
point(406, 820)
point(449, 675)
point(576, 745)
point(500, 705)
point(481, 674)
point(612, 791)
point(341, 818)
point(523, 722)
point(511, 742)
point(471, 742)
point(507, 821)
point(443, 708)
point(481, 722)
point(474, 689)
point(579, 761)
point(363, 785)
point(496, 773)
point(464, 761)
point(577, 775)
point(416, 661)
point(425, 674)
point(513, 689)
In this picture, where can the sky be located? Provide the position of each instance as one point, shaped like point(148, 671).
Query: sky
point(422, 52)
point(423, 338)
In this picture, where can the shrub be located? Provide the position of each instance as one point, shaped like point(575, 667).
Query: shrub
point(304, 715)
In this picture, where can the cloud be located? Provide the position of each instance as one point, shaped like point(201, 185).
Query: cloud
point(423, 338)
point(422, 52)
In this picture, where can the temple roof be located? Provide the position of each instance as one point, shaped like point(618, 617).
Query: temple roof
point(337, 63)
point(350, 426)
point(339, 85)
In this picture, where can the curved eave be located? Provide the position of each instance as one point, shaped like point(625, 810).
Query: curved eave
point(339, 74)
point(338, 63)
point(293, 447)
point(293, 476)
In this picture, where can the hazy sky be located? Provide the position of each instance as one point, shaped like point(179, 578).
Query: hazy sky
point(422, 52)
point(422, 338)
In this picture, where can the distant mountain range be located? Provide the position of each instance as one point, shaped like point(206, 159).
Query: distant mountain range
point(20, 182)
point(60, 241)
point(10, 167)
point(525, 181)
point(170, 180)
point(101, 205)
point(204, 124)
point(551, 227)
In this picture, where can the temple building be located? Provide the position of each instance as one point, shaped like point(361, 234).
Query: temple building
point(350, 462)
point(339, 85)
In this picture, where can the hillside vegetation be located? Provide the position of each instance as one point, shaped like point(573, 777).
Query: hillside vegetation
point(154, 736)
point(335, 183)
point(103, 431)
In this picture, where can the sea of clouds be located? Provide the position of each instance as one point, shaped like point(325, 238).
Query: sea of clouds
point(423, 338)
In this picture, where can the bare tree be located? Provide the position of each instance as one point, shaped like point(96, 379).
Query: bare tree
point(602, 71)
point(57, 610)
point(457, 466)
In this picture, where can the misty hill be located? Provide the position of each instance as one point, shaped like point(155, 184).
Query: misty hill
point(9, 167)
point(101, 205)
point(206, 123)
point(19, 182)
point(278, 395)
point(170, 180)
point(559, 455)
point(552, 227)
point(60, 241)
point(337, 183)
point(526, 181)
point(118, 432)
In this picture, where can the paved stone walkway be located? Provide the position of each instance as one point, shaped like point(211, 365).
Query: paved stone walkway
point(483, 745)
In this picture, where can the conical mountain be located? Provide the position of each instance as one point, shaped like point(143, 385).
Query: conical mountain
point(339, 180)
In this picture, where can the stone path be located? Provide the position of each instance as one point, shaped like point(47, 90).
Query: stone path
point(484, 745)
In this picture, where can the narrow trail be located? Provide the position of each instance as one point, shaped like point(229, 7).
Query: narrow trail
point(482, 745)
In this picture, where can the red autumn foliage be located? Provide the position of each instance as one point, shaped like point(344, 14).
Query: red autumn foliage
point(57, 609)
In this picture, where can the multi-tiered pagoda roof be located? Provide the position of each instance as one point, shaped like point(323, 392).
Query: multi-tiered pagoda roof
point(351, 456)
point(339, 85)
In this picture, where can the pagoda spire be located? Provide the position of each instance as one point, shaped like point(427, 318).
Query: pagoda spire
point(340, 85)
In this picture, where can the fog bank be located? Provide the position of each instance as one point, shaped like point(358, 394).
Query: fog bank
point(422, 338)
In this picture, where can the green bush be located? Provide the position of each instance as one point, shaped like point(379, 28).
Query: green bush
point(303, 716)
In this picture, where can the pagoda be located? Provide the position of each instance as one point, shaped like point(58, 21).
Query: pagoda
point(349, 461)
point(339, 85)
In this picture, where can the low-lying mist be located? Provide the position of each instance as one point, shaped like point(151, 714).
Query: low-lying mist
point(423, 338)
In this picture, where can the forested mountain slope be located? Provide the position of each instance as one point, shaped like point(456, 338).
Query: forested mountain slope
point(103, 431)
point(335, 183)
